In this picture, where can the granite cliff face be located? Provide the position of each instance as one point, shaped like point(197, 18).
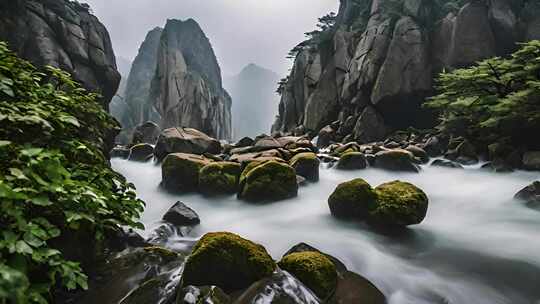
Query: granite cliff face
point(255, 100)
point(369, 73)
point(187, 88)
point(63, 34)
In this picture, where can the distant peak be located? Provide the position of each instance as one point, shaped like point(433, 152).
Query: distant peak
point(254, 68)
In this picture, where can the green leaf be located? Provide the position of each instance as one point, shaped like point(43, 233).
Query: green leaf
point(22, 247)
point(70, 120)
point(31, 152)
point(42, 200)
point(17, 173)
point(5, 143)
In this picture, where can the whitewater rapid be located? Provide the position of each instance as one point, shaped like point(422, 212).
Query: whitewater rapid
point(477, 244)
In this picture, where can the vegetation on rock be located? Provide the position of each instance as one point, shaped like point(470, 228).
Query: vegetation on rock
point(228, 261)
point(313, 269)
point(306, 164)
point(219, 178)
point(54, 179)
point(269, 181)
point(399, 204)
point(352, 199)
point(180, 171)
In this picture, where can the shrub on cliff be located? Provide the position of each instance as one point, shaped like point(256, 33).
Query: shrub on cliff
point(55, 181)
point(496, 100)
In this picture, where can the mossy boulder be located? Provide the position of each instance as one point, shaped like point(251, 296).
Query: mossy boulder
point(219, 178)
point(352, 199)
point(228, 261)
point(399, 204)
point(306, 165)
point(180, 171)
point(269, 181)
point(352, 161)
point(141, 152)
point(313, 269)
point(396, 160)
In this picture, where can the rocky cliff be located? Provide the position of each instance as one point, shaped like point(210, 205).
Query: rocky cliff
point(255, 100)
point(369, 73)
point(187, 88)
point(63, 34)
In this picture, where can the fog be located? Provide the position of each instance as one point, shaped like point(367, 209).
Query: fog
point(241, 31)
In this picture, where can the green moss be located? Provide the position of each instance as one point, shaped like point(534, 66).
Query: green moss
point(219, 178)
point(399, 204)
point(269, 181)
point(352, 161)
point(228, 261)
point(313, 269)
point(352, 199)
point(307, 165)
point(180, 172)
point(164, 253)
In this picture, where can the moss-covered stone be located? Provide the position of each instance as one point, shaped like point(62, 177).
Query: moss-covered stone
point(306, 165)
point(219, 178)
point(352, 161)
point(180, 171)
point(228, 261)
point(313, 269)
point(352, 199)
point(396, 160)
point(269, 181)
point(399, 204)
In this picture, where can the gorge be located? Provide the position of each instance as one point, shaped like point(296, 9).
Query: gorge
point(402, 166)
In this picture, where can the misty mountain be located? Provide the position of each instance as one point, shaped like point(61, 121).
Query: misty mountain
point(255, 102)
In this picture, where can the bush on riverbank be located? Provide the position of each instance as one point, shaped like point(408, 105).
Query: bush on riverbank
point(55, 181)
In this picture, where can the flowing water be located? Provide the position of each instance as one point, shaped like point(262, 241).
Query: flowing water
point(476, 245)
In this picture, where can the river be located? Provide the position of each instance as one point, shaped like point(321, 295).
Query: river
point(477, 244)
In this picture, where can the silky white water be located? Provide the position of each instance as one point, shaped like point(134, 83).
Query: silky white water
point(476, 245)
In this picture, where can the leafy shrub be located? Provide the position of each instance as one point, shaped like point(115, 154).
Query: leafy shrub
point(498, 100)
point(54, 178)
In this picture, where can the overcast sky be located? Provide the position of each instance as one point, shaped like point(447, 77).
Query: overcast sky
point(241, 31)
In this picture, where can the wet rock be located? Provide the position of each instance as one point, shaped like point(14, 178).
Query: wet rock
point(122, 238)
point(418, 152)
point(313, 269)
point(446, 163)
point(120, 152)
point(147, 133)
point(219, 178)
point(141, 152)
point(269, 181)
point(306, 165)
point(395, 160)
point(147, 292)
point(353, 199)
point(245, 142)
point(181, 215)
point(531, 160)
point(353, 288)
point(281, 287)
point(399, 204)
point(530, 195)
point(203, 294)
point(228, 261)
point(433, 146)
point(326, 136)
point(180, 171)
point(303, 247)
point(185, 140)
point(352, 161)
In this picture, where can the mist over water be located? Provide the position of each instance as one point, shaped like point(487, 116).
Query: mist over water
point(476, 245)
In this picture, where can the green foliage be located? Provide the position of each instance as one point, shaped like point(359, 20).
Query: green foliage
point(496, 100)
point(54, 178)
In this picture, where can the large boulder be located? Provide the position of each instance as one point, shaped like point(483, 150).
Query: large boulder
point(219, 178)
point(181, 215)
point(185, 140)
point(352, 161)
point(531, 160)
point(353, 199)
point(399, 204)
point(228, 261)
point(269, 181)
point(396, 160)
point(530, 195)
point(306, 165)
point(180, 171)
point(141, 152)
point(314, 269)
point(147, 132)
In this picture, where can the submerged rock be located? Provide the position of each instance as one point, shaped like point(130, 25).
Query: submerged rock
point(219, 178)
point(306, 165)
point(352, 199)
point(395, 160)
point(141, 152)
point(181, 215)
point(185, 140)
point(530, 195)
point(269, 181)
point(180, 171)
point(314, 269)
point(226, 260)
point(352, 161)
point(399, 204)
